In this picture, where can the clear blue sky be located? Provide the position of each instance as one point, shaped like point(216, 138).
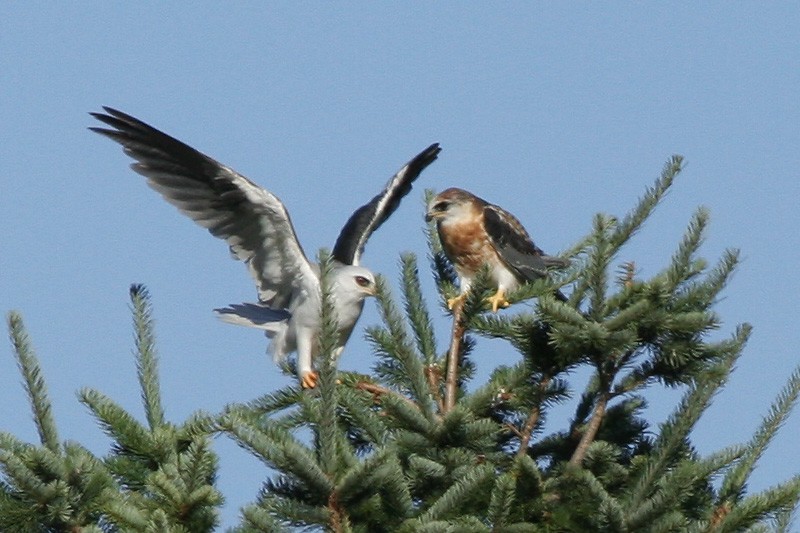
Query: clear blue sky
point(555, 112)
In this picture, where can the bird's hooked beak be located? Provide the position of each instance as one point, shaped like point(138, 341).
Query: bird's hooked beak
point(437, 209)
point(431, 215)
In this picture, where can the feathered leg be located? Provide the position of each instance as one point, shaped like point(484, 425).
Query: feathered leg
point(457, 301)
point(305, 346)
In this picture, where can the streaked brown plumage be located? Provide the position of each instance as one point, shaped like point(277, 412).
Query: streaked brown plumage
point(475, 233)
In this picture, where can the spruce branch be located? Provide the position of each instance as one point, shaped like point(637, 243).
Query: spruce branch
point(34, 383)
point(676, 487)
point(433, 373)
point(784, 519)
point(733, 486)
point(167, 480)
point(43, 490)
point(630, 315)
point(146, 355)
point(327, 427)
point(417, 309)
point(683, 265)
point(399, 503)
point(292, 511)
point(420, 467)
point(528, 475)
point(454, 497)
point(463, 429)
point(705, 291)
point(407, 415)
point(257, 518)
point(547, 287)
point(634, 220)
point(674, 432)
point(358, 412)
point(576, 275)
point(453, 353)
point(505, 384)
point(580, 487)
point(378, 391)
point(627, 275)
point(24, 478)
point(591, 429)
point(610, 234)
point(502, 501)
point(597, 265)
point(498, 326)
point(462, 525)
point(533, 418)
point(338, 522)
point(270, 403)
point(12, 444)
point(401, 365)
point(730, 516)
point(668, 523)
point(280, 450)
point(364, 479)
point(129, 436)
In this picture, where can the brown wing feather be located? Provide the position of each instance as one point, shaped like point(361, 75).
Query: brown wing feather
point(515, 247)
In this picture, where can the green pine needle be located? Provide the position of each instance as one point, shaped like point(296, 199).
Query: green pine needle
point(326, 426)
point(469, 483)
point(130, 437)
point(34, 383)
point(417, 310)
point(734, 484)
point(634, 220)
point(146, 355)
point(401, 366)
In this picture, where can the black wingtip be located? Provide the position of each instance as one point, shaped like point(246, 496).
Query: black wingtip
point(111, 118)
point(151, 146)
point(116, 113)
point(425, 157)
point(102, 118)
point(110, 112)
point(421, 161)
point(122, 122)
point(431, 152)
point(369, 217)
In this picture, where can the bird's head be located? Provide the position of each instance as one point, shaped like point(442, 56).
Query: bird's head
point(354, 282)
point(449, 204)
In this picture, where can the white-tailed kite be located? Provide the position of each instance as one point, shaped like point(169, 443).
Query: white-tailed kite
point(257, 227)
point(475, 233)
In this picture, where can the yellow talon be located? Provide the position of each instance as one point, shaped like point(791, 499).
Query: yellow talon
point(498, 300)
point(457, 301)
point(309, 380)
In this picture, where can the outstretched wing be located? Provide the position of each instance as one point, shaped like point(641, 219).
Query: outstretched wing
point(367, 218)
point(514, 245)
point(253, 221)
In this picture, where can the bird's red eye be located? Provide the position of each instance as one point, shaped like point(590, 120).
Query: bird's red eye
point(362, 281)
